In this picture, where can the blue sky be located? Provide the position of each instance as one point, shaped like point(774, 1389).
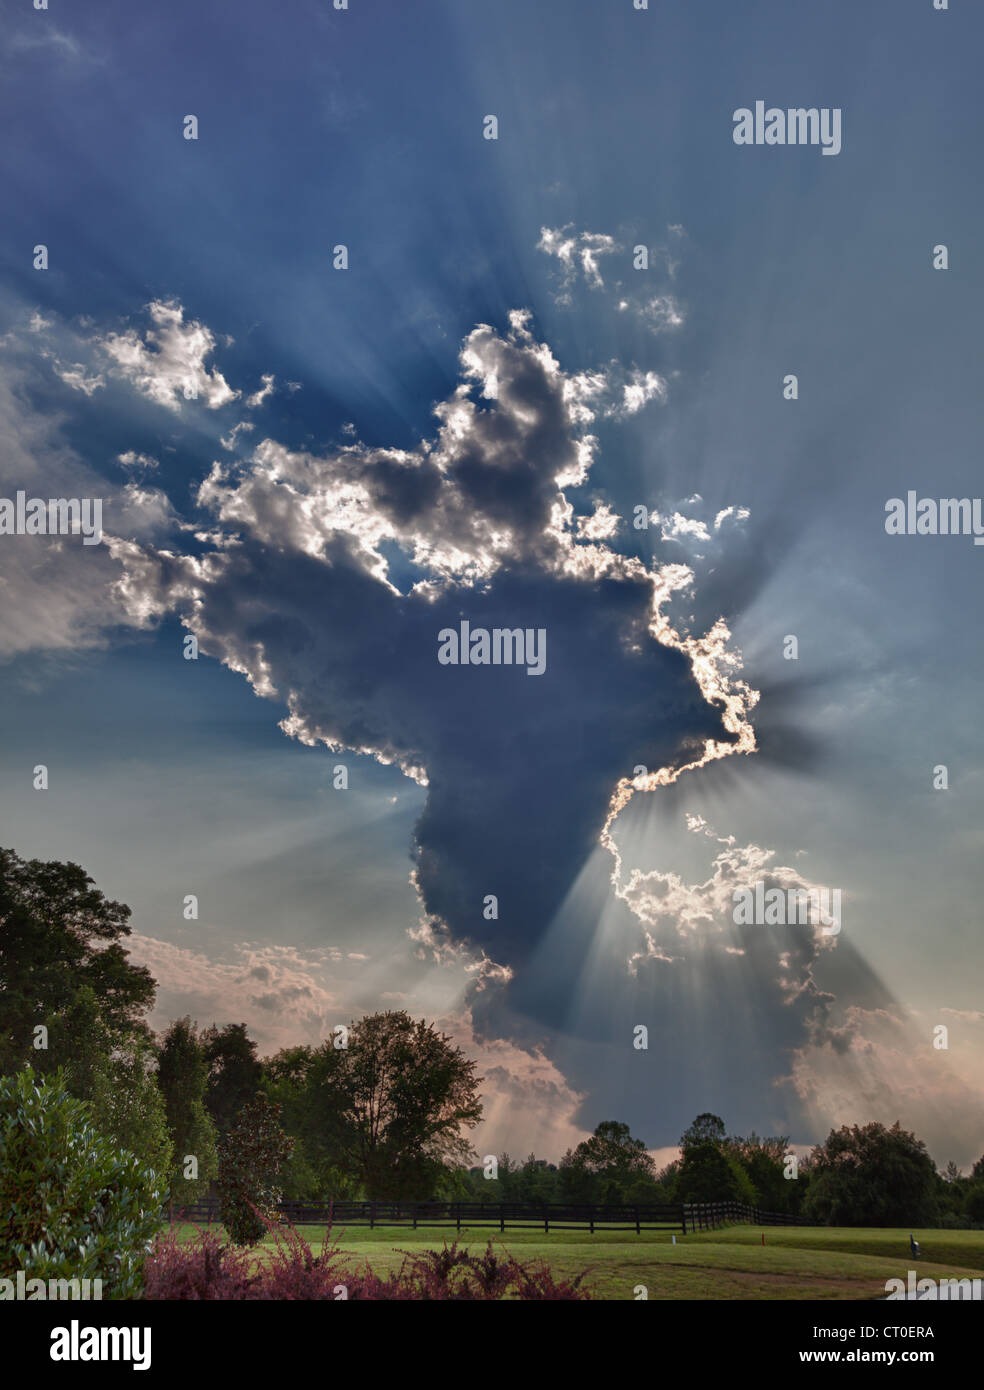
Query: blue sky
point(364, 128)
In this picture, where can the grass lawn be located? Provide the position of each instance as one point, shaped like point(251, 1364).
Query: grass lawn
point(730, 1263)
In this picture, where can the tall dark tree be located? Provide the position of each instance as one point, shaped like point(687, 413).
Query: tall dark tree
point(234, 1073)
point(610, 1166)
point(709, 1173)
point(182, 1074)
point(58, 932)
point(867, 1175)
point(706, 1129)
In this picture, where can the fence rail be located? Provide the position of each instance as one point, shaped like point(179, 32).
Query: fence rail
point(556, 1216)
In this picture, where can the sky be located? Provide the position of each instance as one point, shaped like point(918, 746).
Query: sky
point(345, 372)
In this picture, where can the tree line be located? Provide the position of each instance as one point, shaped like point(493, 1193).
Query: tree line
point(381, 1109)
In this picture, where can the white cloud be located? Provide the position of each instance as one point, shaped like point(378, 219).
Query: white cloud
point(266, 390)
point(131, 459)
point(75, 376)
point(167, 363)
point(577, 252)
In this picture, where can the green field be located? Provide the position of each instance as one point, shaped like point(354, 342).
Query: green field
point(730, 1263)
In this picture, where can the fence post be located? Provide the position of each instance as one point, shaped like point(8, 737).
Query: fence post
point(457, 1212)
point(372, 1213)
point(591, 1218)
point(502, 1216)
point(638, 1232)
point(546, 1221)
point(415, 1216)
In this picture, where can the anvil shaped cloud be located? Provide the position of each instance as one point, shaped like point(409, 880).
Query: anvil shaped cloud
point(326, 580)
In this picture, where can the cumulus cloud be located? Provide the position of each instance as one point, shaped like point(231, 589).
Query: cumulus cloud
point(330, 577)
point(166, 361)
point(56, 594)
point(281, 991)
point(881, 1064)
point(529, 1105)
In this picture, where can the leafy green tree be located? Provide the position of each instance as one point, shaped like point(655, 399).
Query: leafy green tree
point(387, 1110)
point(617, 1167)
point(764, 1161)
point(974, 1202)
point(408, 1092)
point(58, 933)
point(867, 1175)
point(536, 1181)
point(306, 1084)
point(708, 1173)
point(114, 1074)
point(235, 1073)
point(72, 1204)
point(182, 1075)
point(251, 1157)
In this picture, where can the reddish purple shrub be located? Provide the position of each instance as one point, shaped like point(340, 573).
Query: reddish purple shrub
point(205, 1268)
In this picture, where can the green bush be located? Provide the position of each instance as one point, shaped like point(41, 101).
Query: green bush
point(72, 1205)
point(251, 1157)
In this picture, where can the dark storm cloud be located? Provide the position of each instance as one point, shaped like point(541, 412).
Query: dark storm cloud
point(294, 590)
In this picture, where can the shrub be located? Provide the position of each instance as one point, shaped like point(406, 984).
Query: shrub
point(250, 1159)
point(72, 1204)
point(206, 1269)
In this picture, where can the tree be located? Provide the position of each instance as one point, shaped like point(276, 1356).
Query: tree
point(115, 1077)
point(706, 1129)
point(182, 1075)
point(307, 1084)
point(72, 1204)
point(251, 1156)
point(392, 1104)
point(234, 1073)
point(764, 1162)
point(610, 1166)
point(974, 1204)
point(57, 934)
point(710, 1173)
point(867, 1175)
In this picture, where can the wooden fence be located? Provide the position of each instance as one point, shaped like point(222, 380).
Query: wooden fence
point(706, 1216)
point(545, 1216)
